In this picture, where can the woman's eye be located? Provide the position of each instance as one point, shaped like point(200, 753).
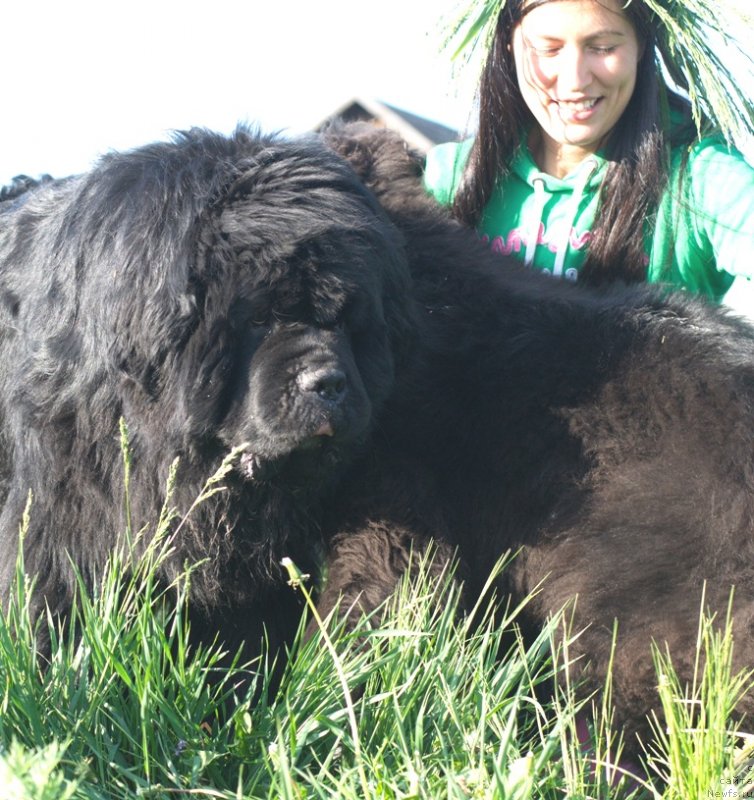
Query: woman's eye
point(544, 51)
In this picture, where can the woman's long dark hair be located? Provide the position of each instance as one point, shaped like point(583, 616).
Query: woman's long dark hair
point(637, 150)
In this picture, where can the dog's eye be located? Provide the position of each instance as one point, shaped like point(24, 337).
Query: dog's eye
point(249, 315)
point(256, 331)
point(244, 328)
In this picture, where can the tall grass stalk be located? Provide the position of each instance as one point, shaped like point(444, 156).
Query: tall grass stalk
point(699, 750)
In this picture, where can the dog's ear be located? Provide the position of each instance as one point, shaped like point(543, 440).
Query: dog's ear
point(381, 158)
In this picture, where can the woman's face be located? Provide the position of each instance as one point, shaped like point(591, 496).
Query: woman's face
point(576, 62)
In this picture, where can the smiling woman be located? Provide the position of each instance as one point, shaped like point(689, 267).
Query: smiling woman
point(603, 149)
point(576, 63)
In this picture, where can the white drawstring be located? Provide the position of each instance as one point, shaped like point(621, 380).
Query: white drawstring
point(585, 173)
point(540, 199)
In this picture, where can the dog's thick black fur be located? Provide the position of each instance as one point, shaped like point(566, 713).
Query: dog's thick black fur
point(213, 292)
point(607, 436)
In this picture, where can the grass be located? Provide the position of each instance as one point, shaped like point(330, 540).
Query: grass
point(698, 750)
point(414, 703)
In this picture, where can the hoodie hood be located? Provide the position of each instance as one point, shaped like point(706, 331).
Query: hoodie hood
point(589, 173)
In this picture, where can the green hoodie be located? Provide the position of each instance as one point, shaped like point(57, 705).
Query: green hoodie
point(702, 239)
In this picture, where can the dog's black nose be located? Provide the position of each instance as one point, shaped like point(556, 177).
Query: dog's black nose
point(327, 382)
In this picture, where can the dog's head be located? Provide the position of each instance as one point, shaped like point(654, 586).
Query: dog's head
point(290, 302)
point(215, 291)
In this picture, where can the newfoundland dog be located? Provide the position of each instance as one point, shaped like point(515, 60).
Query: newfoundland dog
point(385, 381)
point(216, 293)
point(606, 437)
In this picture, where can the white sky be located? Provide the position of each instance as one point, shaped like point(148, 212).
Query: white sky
point(82, 77)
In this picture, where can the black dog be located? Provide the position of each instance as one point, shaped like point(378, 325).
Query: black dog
point(249, 291)
point(215, 293)
point(608, 437)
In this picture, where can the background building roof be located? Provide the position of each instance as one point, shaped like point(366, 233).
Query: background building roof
point(419, 132)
